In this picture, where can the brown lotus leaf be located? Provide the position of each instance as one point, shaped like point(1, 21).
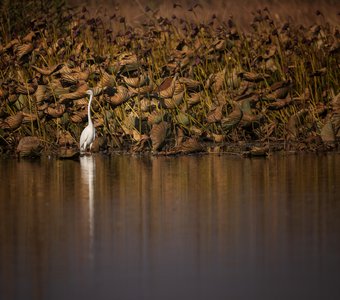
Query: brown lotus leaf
point(335, 119)
point(191, 145)
point(158, 134)
point(222, 97)
point(233, 80)
point(56, 88)
point(65, 69)
point(28, 37)
point(121, 96)
point(179, 136)
point(13, 122)
point(259, 151)
point(190, 84)
point(98, 122)
point(172, 102)
point(11, 44)
point(327, 132)
point(68, 152)
point(182, 119)
point(279, 93)
point(27, 89)
point(249, 120)
point(167, 88)
point(79, 93)
point(281, 103)
point(42, 93)
point(216, 80)
point(29, 146)
point(97, 90)
point(215, 114)
point(195, 98)
point(107, 80)
point(232, 119)
point(254, 77)
point(74, 77)
point(128, 124)
point(49, 71)
point(42, 107)
point(136, 82)
point(29, 117)
point(294, 122)
point(55, 111)
point(146, 89)
point(22, 50)
point(218, 138)
point(194, 130)
point(79, 116)
point(156, 117)
point(335, 102)
point(80, 102)
point(145, 104)
point(65, 138)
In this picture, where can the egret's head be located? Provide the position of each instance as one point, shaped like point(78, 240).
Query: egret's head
point(89, 92)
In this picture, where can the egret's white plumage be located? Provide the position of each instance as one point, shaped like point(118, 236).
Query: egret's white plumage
point(89, 132)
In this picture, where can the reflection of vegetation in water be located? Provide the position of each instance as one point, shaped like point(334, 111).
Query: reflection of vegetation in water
point(172, 85)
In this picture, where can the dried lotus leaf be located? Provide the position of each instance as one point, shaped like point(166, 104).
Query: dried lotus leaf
point(146, 89)
point(136, 82)
point(23, 49)
point(107, 80)
point(65, 139)
point(167, 88)
point(294, 123)
point(42, 93)
point(158, 135)
point(13, 122)
point(29, 146)
point(190, 84)
point(215, 115)
point(79, 93)
point(55, 112)
point(79, 117)
point(28, 118)
point(156, 117)
point(122, 95)
point(194, 98)
point(183, 119)
point(327, 132)
point(172, 102)
point(190, 145)
point(232, 119)
point(49, 71)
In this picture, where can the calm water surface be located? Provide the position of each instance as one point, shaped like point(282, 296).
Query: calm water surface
point(203, 227)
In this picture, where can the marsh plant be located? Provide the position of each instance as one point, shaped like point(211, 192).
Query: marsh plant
point(166, 85)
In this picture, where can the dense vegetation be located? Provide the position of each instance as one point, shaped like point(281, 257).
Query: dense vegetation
point(167, 84)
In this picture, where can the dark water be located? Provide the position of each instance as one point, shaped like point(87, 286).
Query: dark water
point(170, 228)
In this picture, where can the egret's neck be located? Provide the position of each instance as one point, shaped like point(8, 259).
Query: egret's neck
point(89, 110)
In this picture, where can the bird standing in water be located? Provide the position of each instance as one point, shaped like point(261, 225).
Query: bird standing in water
point(89, 132)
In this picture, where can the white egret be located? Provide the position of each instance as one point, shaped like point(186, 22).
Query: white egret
point(89, 132)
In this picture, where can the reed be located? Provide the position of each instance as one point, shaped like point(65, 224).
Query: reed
point(166, 85)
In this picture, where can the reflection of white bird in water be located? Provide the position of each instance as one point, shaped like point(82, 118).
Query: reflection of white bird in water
point(88, 175)
point(89, 132)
